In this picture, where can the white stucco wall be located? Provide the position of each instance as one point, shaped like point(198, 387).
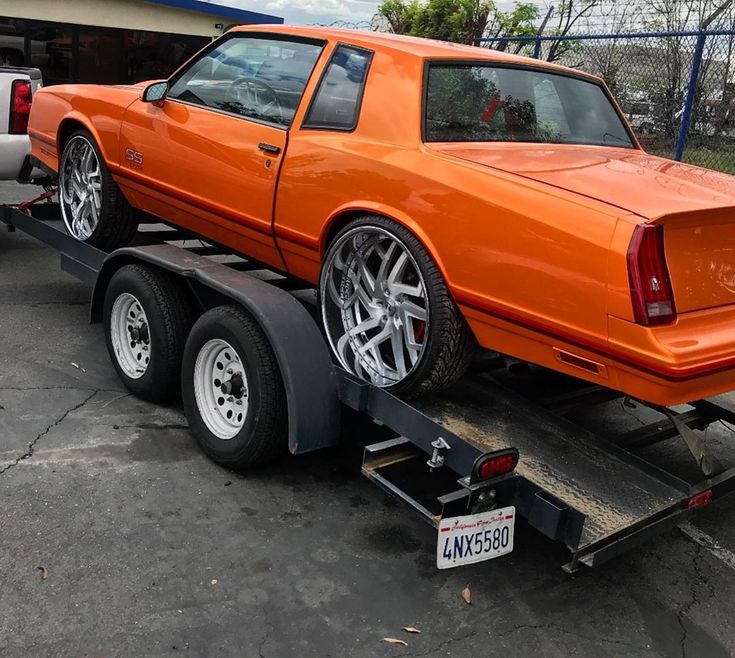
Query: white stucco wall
point(128, 14)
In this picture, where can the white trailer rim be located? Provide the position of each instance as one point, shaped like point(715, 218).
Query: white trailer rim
point(221, 388)
point(130, 334)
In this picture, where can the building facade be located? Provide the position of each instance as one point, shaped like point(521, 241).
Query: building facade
point(111, 41)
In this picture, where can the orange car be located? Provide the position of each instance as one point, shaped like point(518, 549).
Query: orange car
point(439, 196)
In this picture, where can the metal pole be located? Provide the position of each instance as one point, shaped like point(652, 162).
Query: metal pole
point(537, 48)
point(691, 93)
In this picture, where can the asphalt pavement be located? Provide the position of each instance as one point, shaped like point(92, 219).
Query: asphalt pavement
point(119, 538)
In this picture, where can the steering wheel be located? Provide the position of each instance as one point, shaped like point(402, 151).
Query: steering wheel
point(257, 97)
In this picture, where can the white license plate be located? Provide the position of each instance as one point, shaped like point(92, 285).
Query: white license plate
point(475, 537)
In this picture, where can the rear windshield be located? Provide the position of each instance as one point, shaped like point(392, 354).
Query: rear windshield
point(485, 103)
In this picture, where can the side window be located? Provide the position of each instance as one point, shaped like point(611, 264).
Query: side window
point(336, 103)
point(254, 77)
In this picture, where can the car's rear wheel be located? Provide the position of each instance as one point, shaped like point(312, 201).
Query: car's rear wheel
point(92, 206)
point(387, 313)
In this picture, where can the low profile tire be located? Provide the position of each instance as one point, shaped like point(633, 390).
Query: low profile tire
point(387, 313)
point(232, 390)
point(147, 315)
point(92, 206)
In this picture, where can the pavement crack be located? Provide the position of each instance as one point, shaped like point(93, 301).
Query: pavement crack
point(32, 445)
point(269, 632)
point(444, 644)
point(533, 627)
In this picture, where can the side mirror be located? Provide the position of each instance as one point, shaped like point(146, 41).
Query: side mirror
point(155, 92)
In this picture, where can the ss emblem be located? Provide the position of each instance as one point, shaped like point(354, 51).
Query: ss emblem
point(135, 157)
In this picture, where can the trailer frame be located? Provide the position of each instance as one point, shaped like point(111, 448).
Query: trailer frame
point(429, 459)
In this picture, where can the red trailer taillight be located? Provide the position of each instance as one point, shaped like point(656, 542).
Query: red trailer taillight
point(495, 464)
point(20, 107)
point(650, 285)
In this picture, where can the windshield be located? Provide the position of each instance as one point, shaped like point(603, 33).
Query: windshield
point(485, 103)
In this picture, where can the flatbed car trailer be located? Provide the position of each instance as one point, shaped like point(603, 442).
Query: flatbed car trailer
point(498, 440)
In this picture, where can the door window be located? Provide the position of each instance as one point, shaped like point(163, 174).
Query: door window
point(257, 78)
point(336, 104)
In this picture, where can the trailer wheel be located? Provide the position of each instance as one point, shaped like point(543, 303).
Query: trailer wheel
point(232, 390)
point(147, 316)
point(93, 208)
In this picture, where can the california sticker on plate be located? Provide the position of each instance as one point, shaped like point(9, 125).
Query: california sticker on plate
point(475, 537)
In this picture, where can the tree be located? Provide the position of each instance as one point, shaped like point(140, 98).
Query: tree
point(463, 21)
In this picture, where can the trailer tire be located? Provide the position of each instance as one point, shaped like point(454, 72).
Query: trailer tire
point(147, 317)
point(233, 394)
point(105, 220)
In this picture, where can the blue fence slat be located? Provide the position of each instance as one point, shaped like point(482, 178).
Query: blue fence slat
point(605, 37)
point(691, 93)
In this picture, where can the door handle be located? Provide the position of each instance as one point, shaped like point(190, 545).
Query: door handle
point(269, 148)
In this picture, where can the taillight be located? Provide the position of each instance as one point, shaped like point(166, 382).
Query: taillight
point(701, 499)
point(650, 285)
point(20, 107)
point(495, 464)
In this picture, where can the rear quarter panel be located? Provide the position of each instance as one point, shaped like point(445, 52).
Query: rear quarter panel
point(97, 108)
point(505, 245)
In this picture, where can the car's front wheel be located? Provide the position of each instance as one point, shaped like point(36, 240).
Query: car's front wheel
point(388, 315)
point(92, 206)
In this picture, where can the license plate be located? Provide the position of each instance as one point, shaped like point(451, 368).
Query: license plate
point(475, 537)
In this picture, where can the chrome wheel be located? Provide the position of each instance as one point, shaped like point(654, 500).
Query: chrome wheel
point(221, 388)
point(374, 305)
point(80, 188)
point(130, 335)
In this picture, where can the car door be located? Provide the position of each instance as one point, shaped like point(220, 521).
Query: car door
point(207, 157)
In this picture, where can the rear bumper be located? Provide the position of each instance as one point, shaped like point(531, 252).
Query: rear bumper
point(690, 359)
point(693, 358)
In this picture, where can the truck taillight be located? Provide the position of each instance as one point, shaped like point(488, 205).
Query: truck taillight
point(650, 285)
point(20, 107)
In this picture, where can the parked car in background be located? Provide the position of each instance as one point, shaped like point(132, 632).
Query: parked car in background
point(17, 86)
point(437, 195)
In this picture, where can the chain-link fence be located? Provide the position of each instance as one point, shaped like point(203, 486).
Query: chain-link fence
point(677, 89)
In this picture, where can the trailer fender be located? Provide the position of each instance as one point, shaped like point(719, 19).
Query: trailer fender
point(306, 366)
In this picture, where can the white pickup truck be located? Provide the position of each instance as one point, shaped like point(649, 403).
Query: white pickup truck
point(17, 86)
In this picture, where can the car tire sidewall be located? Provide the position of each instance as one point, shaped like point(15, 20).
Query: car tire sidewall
point(106, 180)
point(410, 242)
point(224, 451)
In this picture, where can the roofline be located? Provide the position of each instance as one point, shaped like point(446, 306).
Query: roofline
point(386, 40)
point(222, 11)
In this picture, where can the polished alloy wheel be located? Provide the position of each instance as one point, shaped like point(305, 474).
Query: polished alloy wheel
point(80, 188)
point(130, 334)
point(221, 388)
point(374, 305)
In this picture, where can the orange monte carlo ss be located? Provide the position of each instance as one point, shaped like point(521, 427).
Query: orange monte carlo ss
point(439, 196)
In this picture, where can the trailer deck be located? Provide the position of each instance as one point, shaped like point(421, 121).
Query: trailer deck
point(591, 490)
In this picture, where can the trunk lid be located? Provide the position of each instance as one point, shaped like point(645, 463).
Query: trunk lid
point(696, 206)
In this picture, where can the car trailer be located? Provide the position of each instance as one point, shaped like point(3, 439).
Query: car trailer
point(502, 442)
